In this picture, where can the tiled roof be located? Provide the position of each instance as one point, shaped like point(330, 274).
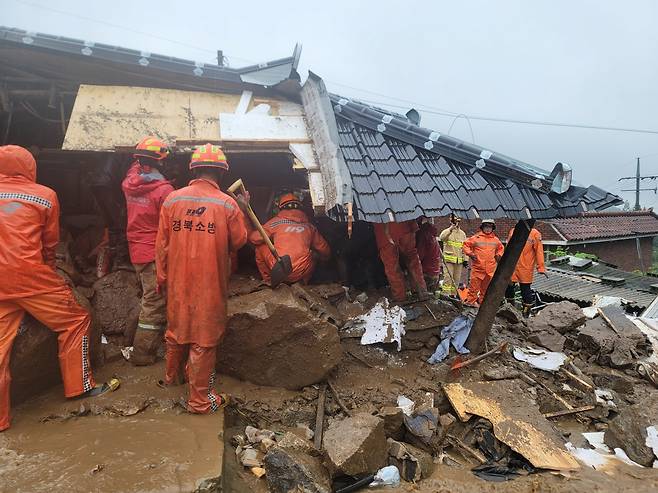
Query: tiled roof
point(401, 171)
point(607, 225)
point(569, 280)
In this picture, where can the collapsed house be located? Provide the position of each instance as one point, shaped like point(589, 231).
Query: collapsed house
point(81, 107)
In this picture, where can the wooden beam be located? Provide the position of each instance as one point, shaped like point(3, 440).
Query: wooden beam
point(496, 292)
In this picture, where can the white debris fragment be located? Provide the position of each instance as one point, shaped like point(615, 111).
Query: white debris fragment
point(103, 339)
point(381, 324)
point(605, 397)
point(540, 358)
point(600, 302)
point(126, 352)
point(406, 405)
point(600, 455)
point(652, 442)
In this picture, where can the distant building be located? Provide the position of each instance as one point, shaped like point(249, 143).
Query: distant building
point(621, 238)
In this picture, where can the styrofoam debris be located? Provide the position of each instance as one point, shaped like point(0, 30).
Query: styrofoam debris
point(386, 476)
point(600, 455)
point(383, 324)
point(540, 358)
point(406, 404)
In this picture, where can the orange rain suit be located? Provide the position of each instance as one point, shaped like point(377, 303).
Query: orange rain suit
point(393, 240)
point(532, 254)
point(484, 248)
point(199, 228)
point(29, 233)
point(292, 234)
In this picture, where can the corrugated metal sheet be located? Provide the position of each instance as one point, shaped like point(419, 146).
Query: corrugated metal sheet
point(401, 171)
point(572, 287)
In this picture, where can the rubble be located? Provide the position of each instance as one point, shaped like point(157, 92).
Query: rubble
point(382, 324)
point(291, 471)
point(616, 350)
point(628, 431)
point(561, 317)
point(356, 445)
point(551, 340)
point(413, 463)
point(510, 313)
point(274, 339)
point(393, 422)
point(116, 304)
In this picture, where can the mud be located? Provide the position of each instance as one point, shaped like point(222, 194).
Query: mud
point(116, 303)
point(134, 439)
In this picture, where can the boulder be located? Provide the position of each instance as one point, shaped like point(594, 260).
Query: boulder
point(628, 431)
point(291, 471)
point(274, 338)
point(562, 317)
point(413, 463)
point(510, 313)
point(116, 303)
point(612, 349)
point(393, 422)
point(356, 445)
point(549, 339)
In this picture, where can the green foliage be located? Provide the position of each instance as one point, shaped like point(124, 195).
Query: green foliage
point(560, 251)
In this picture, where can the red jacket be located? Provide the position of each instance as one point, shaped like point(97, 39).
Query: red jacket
point(29, 228)
point(145, 190)
point(429, 251)
point(199, 228)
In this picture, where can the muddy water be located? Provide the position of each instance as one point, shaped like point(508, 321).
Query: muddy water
point(158, 449)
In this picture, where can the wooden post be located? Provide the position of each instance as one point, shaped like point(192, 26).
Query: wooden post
point(499, 283)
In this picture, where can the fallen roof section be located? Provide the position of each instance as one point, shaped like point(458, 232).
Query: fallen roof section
point(401, 171)
point(89, 62)
point(580, 280)
point(607, 225)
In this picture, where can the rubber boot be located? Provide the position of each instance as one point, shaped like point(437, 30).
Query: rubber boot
point(145, 347)
point(526, 309)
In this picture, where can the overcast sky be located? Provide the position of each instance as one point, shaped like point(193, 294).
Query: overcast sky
point(589, 62)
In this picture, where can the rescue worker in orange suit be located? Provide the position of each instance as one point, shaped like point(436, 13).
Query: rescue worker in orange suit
point(292, 234)
point(429, 252)
point(393, 240)
point(453, 238)
point(485, 251)
point(145, 189)
point(199, 228)
point(29, 228)
point(532, 256)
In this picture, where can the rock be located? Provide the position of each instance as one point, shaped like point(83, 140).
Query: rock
point(250, 457)
point(356, 445)
point(116, 303)
point(562, 317)
point(271, 335)
point(612, 349)
point(292, 441)
point(292, 471)
point(549, 339)
point(628, 432)
point(500, 374)
point(510, 313)
point(447, 420)
point(393, 422)
point(413, 463)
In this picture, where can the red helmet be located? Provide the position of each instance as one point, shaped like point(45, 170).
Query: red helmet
point(152, 147)
point(288, 198)
point(209, 156)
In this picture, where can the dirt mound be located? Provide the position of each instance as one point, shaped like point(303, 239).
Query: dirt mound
point(116, 302)
point(275, 338)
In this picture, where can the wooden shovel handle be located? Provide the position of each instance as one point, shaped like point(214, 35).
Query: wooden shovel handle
point(252, 215)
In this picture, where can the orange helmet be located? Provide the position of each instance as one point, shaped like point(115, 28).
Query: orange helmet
point(288, 198)
point(152, 147)
point(208, 156)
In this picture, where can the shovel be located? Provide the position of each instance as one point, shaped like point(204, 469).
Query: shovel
point(283, 265)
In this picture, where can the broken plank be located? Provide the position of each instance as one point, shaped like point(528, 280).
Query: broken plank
point(575, 410)
point(338, 399)
point(319, 417)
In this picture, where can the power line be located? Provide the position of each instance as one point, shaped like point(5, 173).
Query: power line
point(125, 28)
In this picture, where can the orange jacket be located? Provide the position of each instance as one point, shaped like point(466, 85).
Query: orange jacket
point(485, 248)
point(293, 234)
point(532, 254)
point(199, 228)
point(29, 228)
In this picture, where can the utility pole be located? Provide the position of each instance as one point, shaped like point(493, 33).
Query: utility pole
point(637, 189)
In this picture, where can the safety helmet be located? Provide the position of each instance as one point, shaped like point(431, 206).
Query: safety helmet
point(209, 156)
point(152, 147)
point(488, 222)
point(288, 198)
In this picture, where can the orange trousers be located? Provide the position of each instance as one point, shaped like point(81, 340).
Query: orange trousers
point(199, 370)
point(59, 311)
point(478, 287)
point(265, 261)
point(390, 255)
